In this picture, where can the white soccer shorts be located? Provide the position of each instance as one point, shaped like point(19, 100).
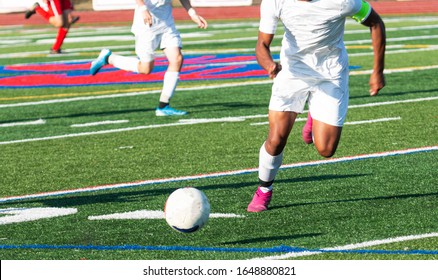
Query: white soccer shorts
point(147, 42)
point(327, 99)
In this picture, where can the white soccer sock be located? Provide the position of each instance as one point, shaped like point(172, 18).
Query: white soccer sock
point(169, 85)
point(124, 62)
point(266, 189)
point(268, 165)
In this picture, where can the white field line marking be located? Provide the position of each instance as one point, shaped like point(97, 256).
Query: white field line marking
point(189, 122)
point(230, 28)
point(125, 36)
point(391, 49)
point(18, 215)
point(346, 123)
point(352, 246)
point(395, 70)
point(374, 121)
point(384, 103)
point(151, 215)
point(138, 93)
point(99, 123)
point(215, 175)
point(428, 48)
point(401, 48)
point(192, 122)
point(397, 39)
point(37, 122)
point(296, 120)
point(80, 51)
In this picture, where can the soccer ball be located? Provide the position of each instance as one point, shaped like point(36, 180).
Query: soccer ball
point(187, 209)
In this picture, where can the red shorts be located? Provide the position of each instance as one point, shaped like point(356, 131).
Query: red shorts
point(56, 7)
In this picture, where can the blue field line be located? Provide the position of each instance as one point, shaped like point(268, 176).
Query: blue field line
point(215, 175)
point(270, 250)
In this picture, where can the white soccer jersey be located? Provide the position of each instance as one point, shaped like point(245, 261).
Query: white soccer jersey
point(162, 18)
point(313, 41)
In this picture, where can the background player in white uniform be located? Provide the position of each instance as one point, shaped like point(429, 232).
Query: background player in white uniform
point(314, 68)
point(154, 27)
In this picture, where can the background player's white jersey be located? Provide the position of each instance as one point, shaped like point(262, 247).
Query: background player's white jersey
point(313, 40)
point(162, 18)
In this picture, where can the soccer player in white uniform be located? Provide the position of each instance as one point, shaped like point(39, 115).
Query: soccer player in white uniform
point(154, 27)
point(314, 68)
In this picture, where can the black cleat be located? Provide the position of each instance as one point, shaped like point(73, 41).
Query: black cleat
point(74, 20)
point(52, 51)
point(32, 11)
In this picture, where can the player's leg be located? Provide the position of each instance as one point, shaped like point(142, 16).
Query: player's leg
point(68, 19)
point(171, 45)
point(145, 45)
point(55, 9)
point(37, 9)
point(126, 63)
point(307, 130)
point(328, 107)
point(326, 138)
point(62, 33)
point(170, 81)
point(288, 98)
point(271, 157)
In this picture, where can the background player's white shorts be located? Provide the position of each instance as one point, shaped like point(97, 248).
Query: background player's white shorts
point(327, 99)
point(147, 42)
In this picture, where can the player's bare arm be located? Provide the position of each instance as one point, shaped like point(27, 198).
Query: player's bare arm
point(200, 21)
point(378, 37)
point(147, 17)
point(263, 54)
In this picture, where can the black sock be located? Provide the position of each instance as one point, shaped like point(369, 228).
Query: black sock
point(162, 105)
point(265, 184)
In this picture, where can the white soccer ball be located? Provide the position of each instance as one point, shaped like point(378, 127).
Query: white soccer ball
point(187, 209)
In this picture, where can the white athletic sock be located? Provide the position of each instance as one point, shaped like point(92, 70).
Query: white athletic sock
point(268, 165)
point(169, 85)
point(124, 62)
point(266, 189)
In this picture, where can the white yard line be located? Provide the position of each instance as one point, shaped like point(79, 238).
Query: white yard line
point(192, 122)
point(215, 175)
point(37, 122)
point(151, 215)
point(373, 121)
point(351, 246)
point(346, 123)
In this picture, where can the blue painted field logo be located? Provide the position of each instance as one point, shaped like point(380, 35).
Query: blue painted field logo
point(61, 74)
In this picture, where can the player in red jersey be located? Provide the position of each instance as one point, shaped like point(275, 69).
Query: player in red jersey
point(58, 14)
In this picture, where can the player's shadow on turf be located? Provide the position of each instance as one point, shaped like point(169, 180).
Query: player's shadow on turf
point(94, 198)
point(79, 115)
point(210, 107)
point(390, 197)
point(280, 181)
point(399, 93)
point(143, 195)
point(272, 238)
point(319, 178)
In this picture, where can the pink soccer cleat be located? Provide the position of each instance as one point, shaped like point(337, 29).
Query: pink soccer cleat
point(260, 201)
point(307, 130)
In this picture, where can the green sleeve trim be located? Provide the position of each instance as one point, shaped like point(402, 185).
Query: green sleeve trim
point(363, 13)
